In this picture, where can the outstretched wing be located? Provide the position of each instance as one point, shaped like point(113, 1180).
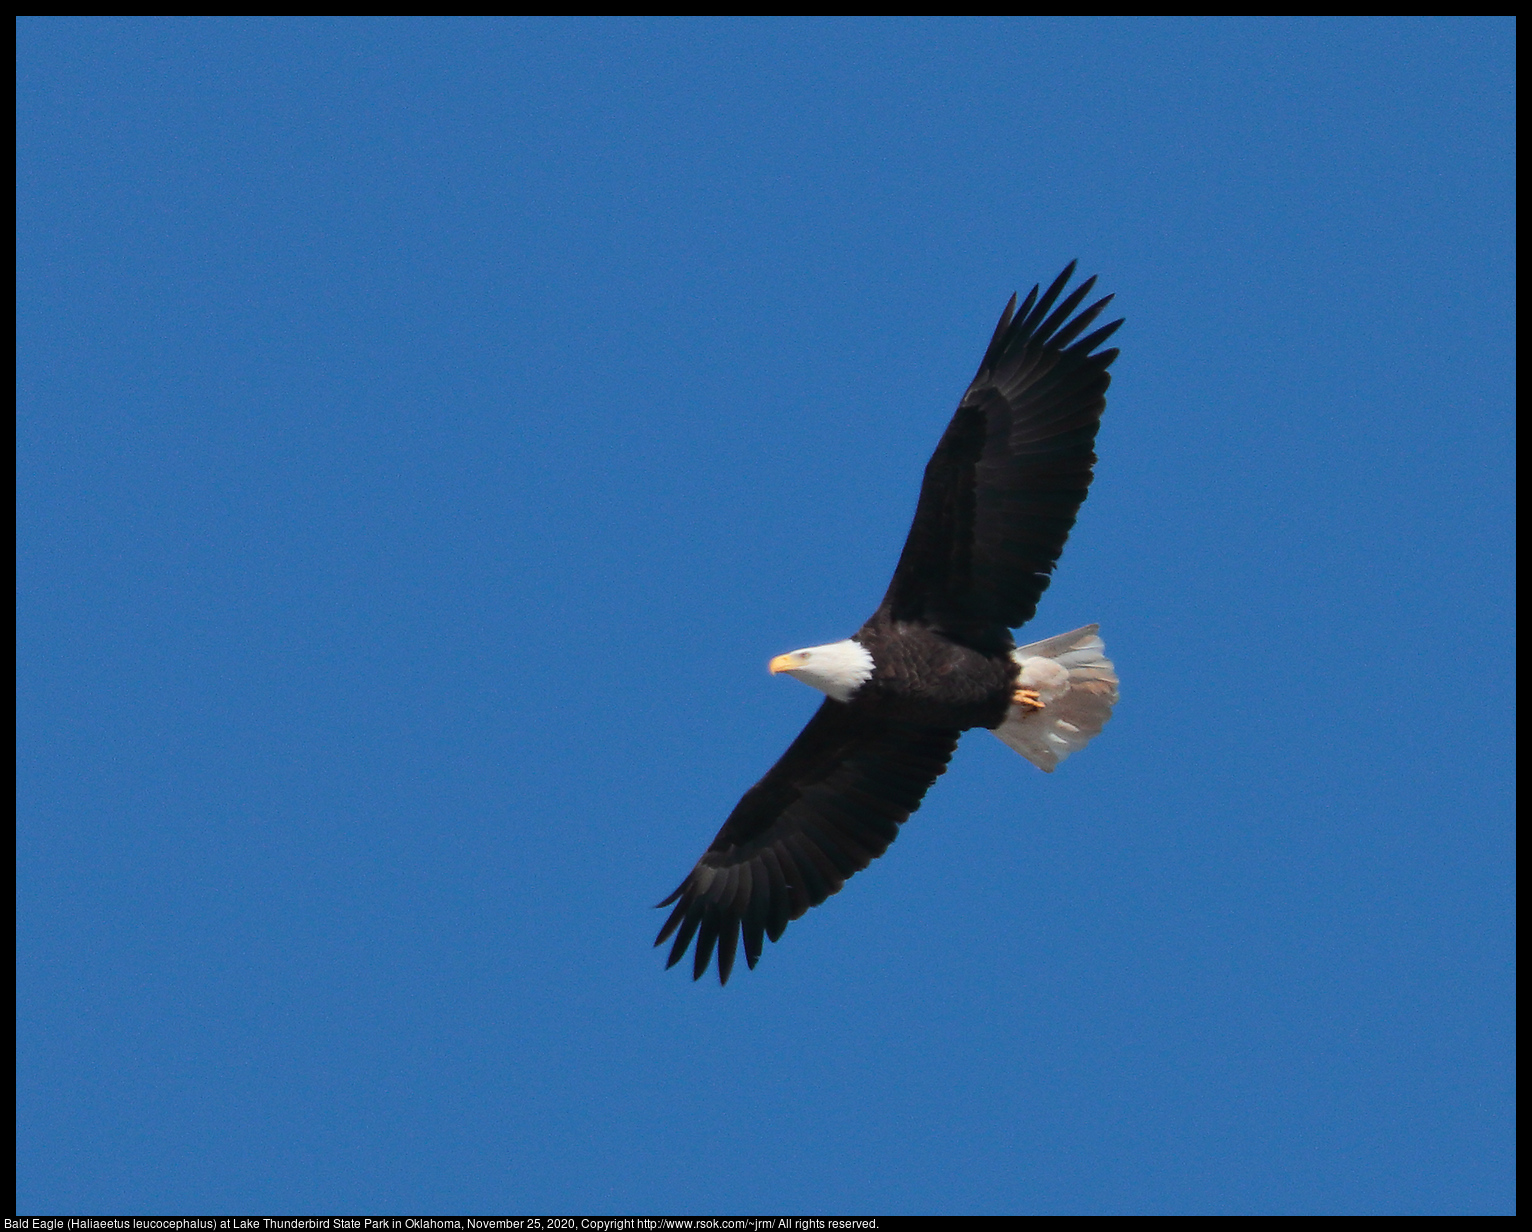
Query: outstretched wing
point(1002, 490)
point(827, 809)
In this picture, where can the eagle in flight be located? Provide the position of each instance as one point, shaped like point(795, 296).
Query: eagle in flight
point(937, 658)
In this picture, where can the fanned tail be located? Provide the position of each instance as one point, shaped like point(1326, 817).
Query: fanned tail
point(1078, 688)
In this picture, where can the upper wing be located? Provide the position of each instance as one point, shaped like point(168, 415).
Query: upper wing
point(828, 808)
point(1003, 487)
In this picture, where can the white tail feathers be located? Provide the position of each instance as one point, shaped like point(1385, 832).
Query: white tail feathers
point(1078, 688)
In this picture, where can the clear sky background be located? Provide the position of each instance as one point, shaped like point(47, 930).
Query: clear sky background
point(429, 429)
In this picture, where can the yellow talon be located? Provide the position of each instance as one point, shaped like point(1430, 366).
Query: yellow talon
point(1030, 698)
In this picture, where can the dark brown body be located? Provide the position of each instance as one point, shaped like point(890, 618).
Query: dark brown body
point(922, 676)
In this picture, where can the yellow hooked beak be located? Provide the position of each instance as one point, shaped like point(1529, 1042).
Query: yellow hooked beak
point(785, 663)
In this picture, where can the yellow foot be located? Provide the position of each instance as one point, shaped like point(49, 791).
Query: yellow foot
point(1030, 698)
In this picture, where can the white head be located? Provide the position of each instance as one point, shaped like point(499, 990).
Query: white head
point(838, 669)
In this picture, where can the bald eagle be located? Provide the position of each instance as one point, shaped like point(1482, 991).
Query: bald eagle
point(937, 658)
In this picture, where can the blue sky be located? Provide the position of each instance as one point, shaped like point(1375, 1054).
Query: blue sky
point(429, 428)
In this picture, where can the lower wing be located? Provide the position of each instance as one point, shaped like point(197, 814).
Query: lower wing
point(827, 809)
